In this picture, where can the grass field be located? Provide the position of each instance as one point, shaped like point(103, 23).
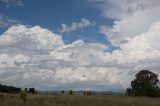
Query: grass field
point(72, 100)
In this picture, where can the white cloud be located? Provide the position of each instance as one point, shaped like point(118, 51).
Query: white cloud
point(37, 57)
point(135, 31)
point(13, 2)
point(75, 26)
point(123, 8)
point(33, 39)
point(26, 57)
point(41, 59)
point(131, 18)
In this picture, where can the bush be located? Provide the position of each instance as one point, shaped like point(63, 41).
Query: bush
point(88, 93)
point(32, 90)
point(23, 95)
point(71, 92)
point(63, 92)
point(1, 95)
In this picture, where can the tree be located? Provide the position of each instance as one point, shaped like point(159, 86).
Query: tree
point(23, 95)
point(31, 90)
point(145, 84)
point(71, 92)
point(26, 89)
point(63, 92)
point(9, 89)
point(87, 93)
point(128, 92)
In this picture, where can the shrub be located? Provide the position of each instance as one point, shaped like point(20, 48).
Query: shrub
point(71, 92)
point(88, 93)
point(32, 90)
point(1, 95)
point(63, 92)
point(23, 95)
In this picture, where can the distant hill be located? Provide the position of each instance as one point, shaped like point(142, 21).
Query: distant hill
point(9, 89)
point(80, 92)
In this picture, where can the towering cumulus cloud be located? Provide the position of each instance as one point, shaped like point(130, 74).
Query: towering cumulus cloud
point(135, 31)
point(132, 18)
point(37, 57)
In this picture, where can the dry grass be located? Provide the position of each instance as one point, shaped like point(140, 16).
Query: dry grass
point(66, 100)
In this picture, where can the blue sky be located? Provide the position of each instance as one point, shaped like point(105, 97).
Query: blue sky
point(78, 44)
point(51, 14)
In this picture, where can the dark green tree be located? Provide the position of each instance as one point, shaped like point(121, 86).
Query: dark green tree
point(145, 84)
point(26, 89)
point(128, 92)
point(63, 92)
point(9, 89)
point(71, 92)
point(31, 90)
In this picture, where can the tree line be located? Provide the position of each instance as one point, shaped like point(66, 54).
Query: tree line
point(9, 89)
point(12, 89)
point(146, 83)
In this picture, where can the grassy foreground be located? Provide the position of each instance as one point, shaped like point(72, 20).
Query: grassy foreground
point(66, 100)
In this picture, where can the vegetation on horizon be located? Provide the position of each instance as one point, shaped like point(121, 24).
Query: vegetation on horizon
point(145, 84)
point(9, 89)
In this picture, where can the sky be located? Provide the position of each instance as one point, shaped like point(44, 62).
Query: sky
point(78, 44)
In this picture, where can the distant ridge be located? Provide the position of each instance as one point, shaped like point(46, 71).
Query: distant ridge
point(80, 92)
point(9, 89)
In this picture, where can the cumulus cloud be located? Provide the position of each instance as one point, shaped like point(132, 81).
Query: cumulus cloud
point(20, 34)
point(41, 59)
point(13, 2)
point(131, 18)
point(6, 21)
point(37, 57)
point(135, 31)
point(75, 26)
